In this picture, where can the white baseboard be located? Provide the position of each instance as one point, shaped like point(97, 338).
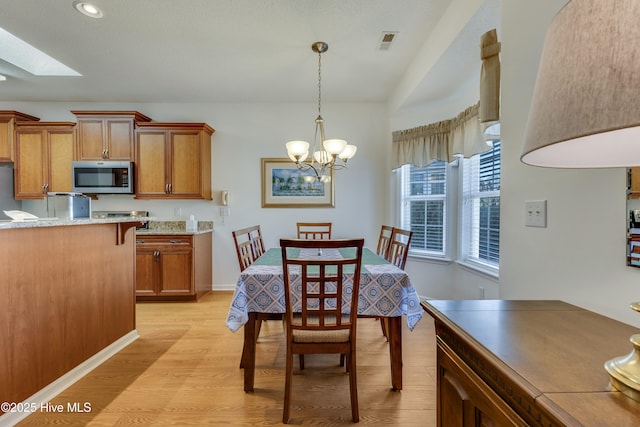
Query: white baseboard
point(47, 393)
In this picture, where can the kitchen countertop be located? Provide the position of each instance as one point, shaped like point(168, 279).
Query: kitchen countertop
point(174, 228)
point(55, 222)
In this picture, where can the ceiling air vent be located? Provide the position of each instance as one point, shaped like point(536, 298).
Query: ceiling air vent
point(387, 38)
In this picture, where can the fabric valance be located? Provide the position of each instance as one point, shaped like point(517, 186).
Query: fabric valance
point(462, 135)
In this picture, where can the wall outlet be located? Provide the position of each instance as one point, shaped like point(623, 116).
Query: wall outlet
point(535, 213)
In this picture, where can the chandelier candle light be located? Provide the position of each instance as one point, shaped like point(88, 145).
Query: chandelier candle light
point(323, 160)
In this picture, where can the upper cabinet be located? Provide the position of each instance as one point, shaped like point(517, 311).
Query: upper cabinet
point(173, 160)
point(7, 142)
point(633, 183)
point(107, 135)
point(44, 152)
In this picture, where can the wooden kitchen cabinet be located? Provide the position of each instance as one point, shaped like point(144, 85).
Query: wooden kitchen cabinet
point(107, 135)
point(173, 160)
point(173, 267)
point(44, 152)
point(633, 183)
point(8, 119)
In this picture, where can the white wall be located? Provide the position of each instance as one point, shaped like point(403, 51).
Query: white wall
point(244, 134)
point(580, 256)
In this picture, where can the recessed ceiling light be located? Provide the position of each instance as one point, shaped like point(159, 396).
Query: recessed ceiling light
point(2, 78)
point(87, 9)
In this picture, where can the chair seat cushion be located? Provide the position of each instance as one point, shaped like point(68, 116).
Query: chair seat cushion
point(320, 336)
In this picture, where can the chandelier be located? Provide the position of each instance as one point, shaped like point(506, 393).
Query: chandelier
point(325, 151)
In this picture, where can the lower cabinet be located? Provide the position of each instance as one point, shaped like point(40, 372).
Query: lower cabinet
point(464, 399)
point(173, 267)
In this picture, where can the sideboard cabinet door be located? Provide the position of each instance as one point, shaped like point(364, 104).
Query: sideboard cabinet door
point(464, 400)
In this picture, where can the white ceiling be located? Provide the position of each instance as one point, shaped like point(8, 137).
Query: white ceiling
point(249, 50)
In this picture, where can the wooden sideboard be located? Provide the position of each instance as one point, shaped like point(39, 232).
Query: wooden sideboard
point(538, 363)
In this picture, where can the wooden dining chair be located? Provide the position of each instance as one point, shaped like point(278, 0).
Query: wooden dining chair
point(384, 240)
point(249, 247)
point(399, 247)
point(321, 315)
point(314, 230)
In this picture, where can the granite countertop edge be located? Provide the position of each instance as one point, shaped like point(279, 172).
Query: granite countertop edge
point(51, 222)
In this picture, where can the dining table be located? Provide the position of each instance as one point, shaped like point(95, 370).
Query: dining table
point(385, 292)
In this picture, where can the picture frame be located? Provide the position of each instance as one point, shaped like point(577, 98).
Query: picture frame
point(284, 186)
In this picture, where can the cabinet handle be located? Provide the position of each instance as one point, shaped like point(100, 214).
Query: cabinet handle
point(170, 189)
point(175, 241)
point(156, 256)
point(166, 188)
point(139, 241)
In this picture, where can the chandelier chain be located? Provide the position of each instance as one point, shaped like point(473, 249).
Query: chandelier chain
point(319, 81)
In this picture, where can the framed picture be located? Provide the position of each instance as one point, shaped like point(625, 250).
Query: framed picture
point(285, 186)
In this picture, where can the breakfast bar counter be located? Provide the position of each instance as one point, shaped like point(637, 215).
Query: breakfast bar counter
point(67, 298)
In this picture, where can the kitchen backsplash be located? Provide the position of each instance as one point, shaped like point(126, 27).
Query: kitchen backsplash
point(177, 226)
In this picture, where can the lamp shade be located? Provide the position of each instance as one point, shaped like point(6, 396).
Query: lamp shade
point(348, 152)
point(334, 146)
point(585, 111)
point(298, 149)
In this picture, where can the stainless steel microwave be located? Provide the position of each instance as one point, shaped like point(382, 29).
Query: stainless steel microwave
point(103, 177)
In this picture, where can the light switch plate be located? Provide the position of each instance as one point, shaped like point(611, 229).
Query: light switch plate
point(535, 213)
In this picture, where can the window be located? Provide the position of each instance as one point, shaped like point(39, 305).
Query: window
point(480, 209)
point(423, 207)
point(454, 209)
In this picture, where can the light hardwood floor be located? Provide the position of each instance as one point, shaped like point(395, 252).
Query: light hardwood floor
point(184, 370)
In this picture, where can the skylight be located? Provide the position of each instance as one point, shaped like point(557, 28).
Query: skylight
point(23, 55)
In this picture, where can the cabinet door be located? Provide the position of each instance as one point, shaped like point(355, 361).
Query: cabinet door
point(61, 145)
point(30, 164)
point(147, 270)
point(176, 271)
point(119, 140)
point(151, 179)
point(465, 400)
point(6, 141)
point(91, 140)
point(8, 119)
point(185, 164)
